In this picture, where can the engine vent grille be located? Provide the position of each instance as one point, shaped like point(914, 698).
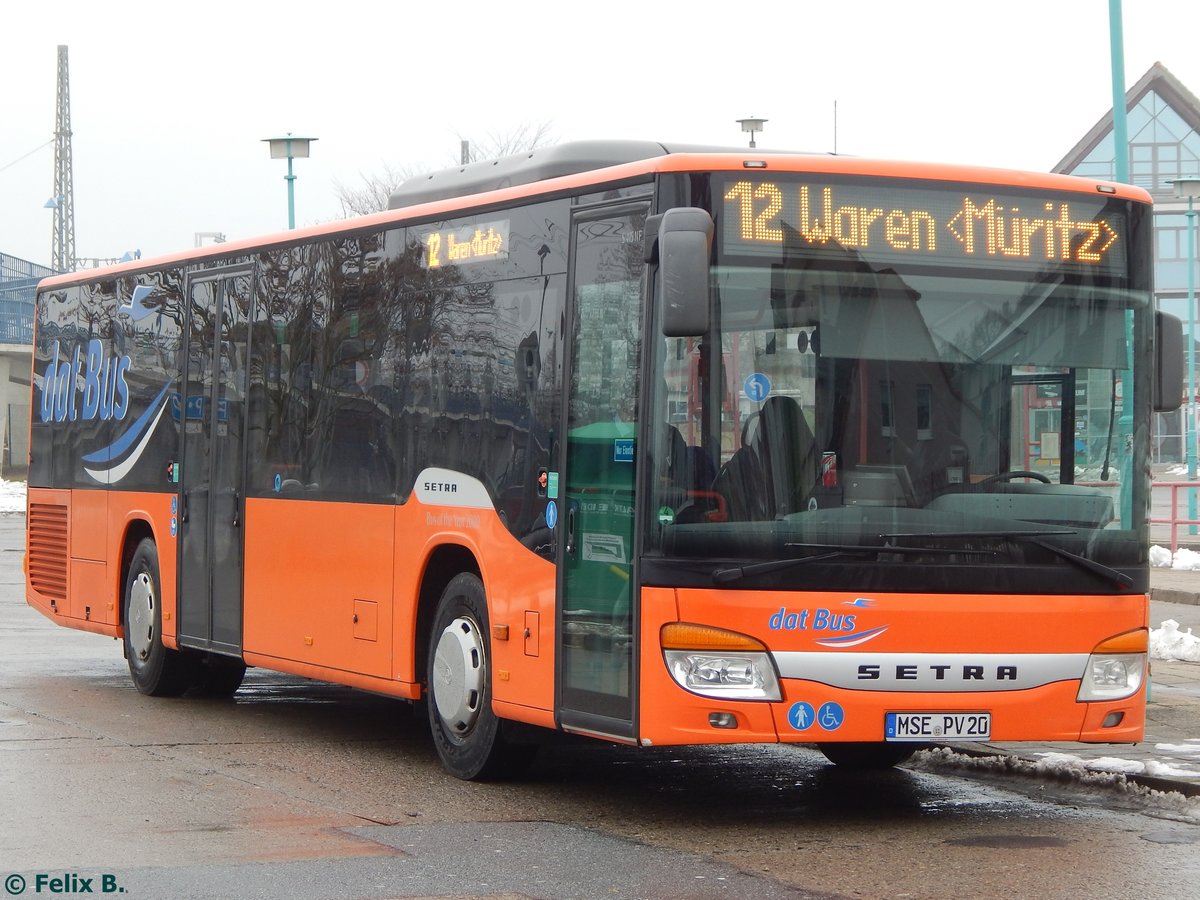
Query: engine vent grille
point(48, 550)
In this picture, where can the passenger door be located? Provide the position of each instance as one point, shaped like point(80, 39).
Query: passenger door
point(211, 411)
point(597, 627)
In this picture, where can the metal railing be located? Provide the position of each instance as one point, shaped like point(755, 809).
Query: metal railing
point(1177, 517)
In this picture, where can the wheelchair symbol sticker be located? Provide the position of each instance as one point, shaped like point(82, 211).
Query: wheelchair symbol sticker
point(830, 716)
point(801, 715)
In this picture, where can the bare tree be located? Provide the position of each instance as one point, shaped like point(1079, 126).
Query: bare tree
point(524, 137)
point(373, 195)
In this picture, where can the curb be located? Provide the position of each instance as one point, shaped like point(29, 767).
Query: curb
point(1173, 595)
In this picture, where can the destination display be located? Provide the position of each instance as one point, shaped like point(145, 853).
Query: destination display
point(887, 220)
point(474, 243)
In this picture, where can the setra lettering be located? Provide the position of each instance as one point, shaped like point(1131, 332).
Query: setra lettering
point(936, 672)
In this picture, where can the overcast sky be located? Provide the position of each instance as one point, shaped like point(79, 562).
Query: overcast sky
point(169, 102)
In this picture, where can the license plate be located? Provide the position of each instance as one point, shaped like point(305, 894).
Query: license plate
point(938, 726)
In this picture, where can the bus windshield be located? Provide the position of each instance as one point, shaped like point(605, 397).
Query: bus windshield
point(864, 414)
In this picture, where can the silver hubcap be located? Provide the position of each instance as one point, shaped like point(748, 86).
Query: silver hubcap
point(141, 616)
point(458, 670)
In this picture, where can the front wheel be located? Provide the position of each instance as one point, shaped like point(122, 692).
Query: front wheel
point(156, 671)
point(868, 755)
point(466, 732)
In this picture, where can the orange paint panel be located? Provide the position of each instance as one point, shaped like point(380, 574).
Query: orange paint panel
point(366, 620)
point(128, 513)
point(1131, 728)
point(919, 623)
point(671, 715)
point(1049, 713)
point(516, 582)
point(890, 624)
point(533, 632)
point(97, 524)
point(306, 566)
point(89, 525)
point(91, 595)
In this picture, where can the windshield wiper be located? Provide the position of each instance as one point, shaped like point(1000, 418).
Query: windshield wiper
point(736, 573)
point(1032, 537)
point(1089, 565)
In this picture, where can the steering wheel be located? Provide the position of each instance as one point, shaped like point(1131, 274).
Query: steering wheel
point(1017, 473)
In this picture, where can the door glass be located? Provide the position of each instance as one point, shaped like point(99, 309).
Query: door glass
point(1039, 440)
point(195, 614)
point(212, 411)
point(229, 412)
point(602, 410)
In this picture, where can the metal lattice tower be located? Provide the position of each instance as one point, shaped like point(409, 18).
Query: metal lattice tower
point(62, 241)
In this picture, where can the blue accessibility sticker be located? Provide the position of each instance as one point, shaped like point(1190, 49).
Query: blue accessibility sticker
point(551, 514)
point(830, 716)
point(801, 715)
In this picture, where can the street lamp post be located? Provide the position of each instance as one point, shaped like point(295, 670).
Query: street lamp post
point(1189, 188)
point(752, 125)
point(290, 147)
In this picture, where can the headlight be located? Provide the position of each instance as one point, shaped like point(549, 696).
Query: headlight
point(721, 664)
point(1112, 677)
point(1114, 673)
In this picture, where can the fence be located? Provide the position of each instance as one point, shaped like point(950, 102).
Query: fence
point(1174, 518)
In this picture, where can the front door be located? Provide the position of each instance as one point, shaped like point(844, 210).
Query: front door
point(597, 588)
point(1043, 424)
point(211, 409)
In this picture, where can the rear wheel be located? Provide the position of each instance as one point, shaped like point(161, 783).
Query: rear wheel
point(468, 736)
point(156, 671)
point(868, 755)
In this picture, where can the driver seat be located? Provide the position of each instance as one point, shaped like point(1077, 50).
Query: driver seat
point(787, 453)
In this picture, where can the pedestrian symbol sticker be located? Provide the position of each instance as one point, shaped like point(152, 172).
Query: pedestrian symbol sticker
point(551, 514)
point(801, 715)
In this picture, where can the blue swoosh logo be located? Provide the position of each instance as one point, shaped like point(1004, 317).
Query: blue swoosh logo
point(851, 640)
point(132, 434)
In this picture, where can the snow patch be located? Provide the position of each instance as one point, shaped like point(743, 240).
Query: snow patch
point(1168, 642)
point(1183, 558)
point(1067, 768)
point(12, 497)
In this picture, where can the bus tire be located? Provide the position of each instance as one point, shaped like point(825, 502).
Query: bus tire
point(156, 671)
point(466, 732)
point(868, 755)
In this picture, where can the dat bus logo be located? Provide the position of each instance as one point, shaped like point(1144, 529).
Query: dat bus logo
point(103, 394)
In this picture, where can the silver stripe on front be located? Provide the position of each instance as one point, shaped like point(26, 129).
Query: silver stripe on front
point(932, 672)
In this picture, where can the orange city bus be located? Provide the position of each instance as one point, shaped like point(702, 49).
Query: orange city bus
point(660, 446)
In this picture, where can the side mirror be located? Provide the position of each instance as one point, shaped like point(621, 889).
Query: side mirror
point(685, 237)
point(1168, 362)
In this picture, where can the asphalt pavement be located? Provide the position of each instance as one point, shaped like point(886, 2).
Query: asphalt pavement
point(1170, 755)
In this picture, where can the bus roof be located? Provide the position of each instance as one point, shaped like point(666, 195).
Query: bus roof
point(539, 164)
point(576, 165)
